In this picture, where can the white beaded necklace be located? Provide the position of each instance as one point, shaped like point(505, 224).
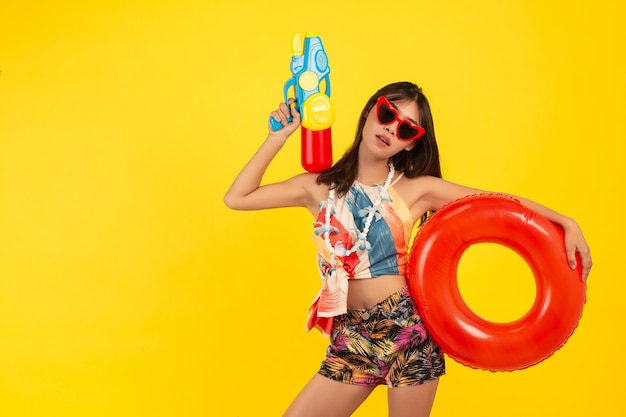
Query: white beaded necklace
point(339, 249)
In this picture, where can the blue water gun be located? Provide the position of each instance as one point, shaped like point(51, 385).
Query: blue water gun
point(309, 74)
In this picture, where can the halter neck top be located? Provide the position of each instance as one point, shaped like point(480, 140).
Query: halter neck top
point(389, 237)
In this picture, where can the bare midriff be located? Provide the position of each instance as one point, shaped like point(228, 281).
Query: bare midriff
point(365, 293)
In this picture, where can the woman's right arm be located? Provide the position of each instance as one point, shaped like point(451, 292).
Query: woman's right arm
point(246, 191)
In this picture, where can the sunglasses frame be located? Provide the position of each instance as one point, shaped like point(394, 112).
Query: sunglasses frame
point(383, 101)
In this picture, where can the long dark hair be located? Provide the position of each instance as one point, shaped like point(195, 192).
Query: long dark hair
point(423, 159)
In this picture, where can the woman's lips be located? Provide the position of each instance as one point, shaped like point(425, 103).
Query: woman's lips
point(383, 139)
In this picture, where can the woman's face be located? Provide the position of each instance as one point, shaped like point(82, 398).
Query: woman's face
point(383, 138)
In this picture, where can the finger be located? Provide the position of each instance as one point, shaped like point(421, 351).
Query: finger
point(276, 115)
point(285, 112)
point(280, 116)
point(279, 120)
point(296, 116)
point(283, 107)
point(582, 256)
point(286, 108)
point(570, 250)
point(587, 263)
point(571, 259)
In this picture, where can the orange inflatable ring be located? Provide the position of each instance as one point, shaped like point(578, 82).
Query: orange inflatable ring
point(462, 334)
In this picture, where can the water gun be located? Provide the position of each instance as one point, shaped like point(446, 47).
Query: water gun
point(310, 71)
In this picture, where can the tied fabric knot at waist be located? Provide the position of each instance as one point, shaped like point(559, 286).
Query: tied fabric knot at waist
point(331, 300)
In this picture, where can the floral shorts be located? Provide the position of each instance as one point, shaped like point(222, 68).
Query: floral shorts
point(383, 345)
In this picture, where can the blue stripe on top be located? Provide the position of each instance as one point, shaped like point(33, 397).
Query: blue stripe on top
point(382, 257)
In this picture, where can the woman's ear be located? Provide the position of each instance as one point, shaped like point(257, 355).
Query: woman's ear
point(411, 145)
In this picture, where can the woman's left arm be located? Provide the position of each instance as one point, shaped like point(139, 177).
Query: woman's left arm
point(436, 192)
point(574, 240)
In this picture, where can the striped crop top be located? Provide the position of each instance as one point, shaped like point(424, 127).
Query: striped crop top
point(388, 238)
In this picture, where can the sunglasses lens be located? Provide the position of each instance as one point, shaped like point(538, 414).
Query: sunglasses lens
point(385, 114)
point(406, 131)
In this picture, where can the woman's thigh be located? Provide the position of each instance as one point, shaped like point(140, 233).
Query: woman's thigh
point(324, 397)
point(415, 401)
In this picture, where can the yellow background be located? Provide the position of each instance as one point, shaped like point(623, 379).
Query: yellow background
point(127, 288)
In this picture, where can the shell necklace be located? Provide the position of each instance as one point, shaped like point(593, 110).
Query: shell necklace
point(339, 249)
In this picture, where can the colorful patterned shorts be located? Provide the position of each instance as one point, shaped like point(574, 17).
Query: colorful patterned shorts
point(384, 345)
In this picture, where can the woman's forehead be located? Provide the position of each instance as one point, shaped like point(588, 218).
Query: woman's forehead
point(407, 109)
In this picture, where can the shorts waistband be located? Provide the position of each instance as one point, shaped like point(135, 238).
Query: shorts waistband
point(385, 306)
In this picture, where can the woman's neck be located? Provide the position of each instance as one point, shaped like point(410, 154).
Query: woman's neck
point(372, 172)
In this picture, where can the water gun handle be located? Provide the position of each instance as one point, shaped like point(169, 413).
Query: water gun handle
point(276, 124)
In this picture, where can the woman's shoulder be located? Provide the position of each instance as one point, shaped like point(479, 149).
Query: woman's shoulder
point(422, 179)
point(415, 184)
point(308, 180)
point(414, 190)
point(315, 192)
point(431, 193)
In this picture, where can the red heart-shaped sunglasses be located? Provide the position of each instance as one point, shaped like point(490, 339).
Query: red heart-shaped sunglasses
point(387, 114)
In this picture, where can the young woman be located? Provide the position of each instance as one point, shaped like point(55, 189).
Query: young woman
point(365, 207)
